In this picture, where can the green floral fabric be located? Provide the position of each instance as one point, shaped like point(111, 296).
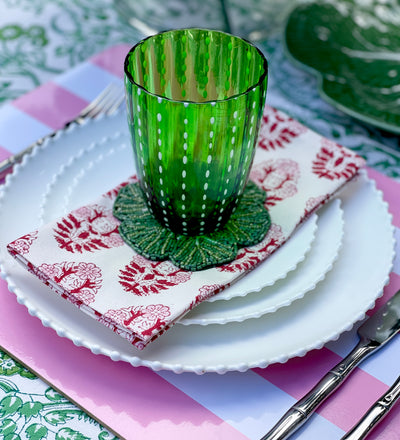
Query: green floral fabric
point(42, 38)
point(41, 413)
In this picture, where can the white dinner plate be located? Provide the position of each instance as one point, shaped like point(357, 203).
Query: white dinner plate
point(322, 315)
point(84, 170)
point(318, 262)
point(85, 176)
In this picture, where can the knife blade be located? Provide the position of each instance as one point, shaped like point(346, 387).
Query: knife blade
point(374, 333)
point(375, 414)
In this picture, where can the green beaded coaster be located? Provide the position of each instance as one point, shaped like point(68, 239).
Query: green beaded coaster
point(247, 226)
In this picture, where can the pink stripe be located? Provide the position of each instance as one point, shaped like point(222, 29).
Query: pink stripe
point(112, 59)
point(51, 104)
point(346, 405)
point(391, 192)
point(134, 402)
point(389, 428)
point(313, 366)
point(4, 153)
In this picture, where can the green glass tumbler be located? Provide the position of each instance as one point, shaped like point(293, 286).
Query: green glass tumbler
point(195, 99)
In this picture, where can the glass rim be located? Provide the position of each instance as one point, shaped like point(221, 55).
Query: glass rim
point(183, 101)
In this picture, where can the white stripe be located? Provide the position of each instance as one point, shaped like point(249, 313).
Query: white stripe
point(384, 365)
point(18, 130)
point(86, 80)
point(318, 427)
point(248, 402)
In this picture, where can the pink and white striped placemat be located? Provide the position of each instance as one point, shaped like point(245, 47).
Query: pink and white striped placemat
point(140, 403)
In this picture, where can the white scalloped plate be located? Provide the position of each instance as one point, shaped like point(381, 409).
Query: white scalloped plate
point(85, 173)
point(319, 261)
point(322, 315)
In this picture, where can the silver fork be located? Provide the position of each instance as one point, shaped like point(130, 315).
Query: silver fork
point(107, 102)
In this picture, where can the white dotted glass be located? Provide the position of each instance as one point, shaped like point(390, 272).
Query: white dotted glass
point(195, 99)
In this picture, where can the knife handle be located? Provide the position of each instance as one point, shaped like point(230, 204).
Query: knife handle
point(300, 412)
point(375, 414)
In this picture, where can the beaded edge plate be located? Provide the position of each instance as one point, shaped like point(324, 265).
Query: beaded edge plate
point(319, 261)
point(307, 324)
point(78, 179)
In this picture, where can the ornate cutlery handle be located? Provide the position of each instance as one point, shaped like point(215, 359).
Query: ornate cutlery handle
point(375, 414)
point(299, 413)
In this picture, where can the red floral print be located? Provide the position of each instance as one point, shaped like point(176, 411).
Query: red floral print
point(143, 320)
point(206, 292)
point(278, 129)
point(81, 281)
point(313, 203)
point(248, 258)
point(143, 277)
point(89, 228)
point(59, 289)
point(40, 275)
point(23, 244)
point(335, 162)
point(278, 177)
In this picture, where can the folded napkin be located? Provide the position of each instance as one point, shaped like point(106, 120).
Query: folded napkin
point(83, 258)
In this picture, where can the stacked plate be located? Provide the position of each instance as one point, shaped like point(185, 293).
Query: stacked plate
point(307, 293)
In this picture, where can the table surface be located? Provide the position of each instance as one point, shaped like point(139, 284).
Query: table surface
point(48, 43)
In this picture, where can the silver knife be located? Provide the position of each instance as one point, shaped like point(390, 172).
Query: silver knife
point(376, 331)
point(375, 414)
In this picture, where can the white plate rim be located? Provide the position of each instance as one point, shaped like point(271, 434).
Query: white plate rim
point(259, 299)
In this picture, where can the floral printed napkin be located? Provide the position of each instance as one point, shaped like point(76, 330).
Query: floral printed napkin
point(83, 258)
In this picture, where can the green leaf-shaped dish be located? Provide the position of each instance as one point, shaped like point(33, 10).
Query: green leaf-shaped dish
point(354, 47)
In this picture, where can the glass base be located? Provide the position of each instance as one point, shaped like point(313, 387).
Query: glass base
point(247, 226)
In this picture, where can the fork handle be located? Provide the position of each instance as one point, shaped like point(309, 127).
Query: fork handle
point(375, 414)
point(301, 411)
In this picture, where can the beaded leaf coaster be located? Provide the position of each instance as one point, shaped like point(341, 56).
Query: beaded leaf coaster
point(247, 226)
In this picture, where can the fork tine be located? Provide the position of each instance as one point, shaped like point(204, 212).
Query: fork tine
point(106, 102)
point(116, 104)
point(113, 100)
point(97, 101)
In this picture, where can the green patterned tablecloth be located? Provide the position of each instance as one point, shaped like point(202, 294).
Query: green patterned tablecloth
point(43, 38)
